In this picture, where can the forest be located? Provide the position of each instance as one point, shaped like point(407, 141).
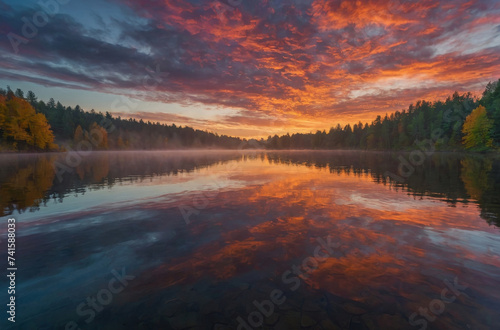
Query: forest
point(68, 126)
point(461, 122)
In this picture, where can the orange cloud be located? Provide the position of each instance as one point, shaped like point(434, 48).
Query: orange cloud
point(305, 65)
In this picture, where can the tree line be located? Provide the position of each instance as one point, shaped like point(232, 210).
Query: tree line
point(460, 122)
point(68, 126)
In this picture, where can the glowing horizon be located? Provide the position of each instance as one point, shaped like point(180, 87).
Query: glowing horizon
point(252, 69)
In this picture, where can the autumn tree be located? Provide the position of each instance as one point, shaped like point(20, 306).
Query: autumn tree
point(120, 144)
point(476, 130)
point(40, 134)
point(98, 136)
point(3, 112)
point(78, 134)
point(21, 126)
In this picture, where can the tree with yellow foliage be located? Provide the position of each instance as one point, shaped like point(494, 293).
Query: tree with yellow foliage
point(3, 112)
point(477, 130)
point(24, 185)
point(98, 136)
point(99, 133)
point(41, 136)
point(78, 134)
point(21, 127)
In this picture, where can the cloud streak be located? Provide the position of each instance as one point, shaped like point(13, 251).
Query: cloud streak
point(292, 65)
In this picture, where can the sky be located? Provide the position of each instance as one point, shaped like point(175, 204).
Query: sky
point(249, 68)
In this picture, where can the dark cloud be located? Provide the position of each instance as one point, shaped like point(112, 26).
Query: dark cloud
point(297, 59)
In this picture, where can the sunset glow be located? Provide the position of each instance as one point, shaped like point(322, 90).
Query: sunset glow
point(253, 68)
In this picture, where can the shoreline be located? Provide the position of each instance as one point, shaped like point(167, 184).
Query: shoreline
point(404, 151)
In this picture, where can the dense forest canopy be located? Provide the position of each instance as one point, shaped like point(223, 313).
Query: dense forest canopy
point(462, 121)
point(440, 123)
point(71, 126)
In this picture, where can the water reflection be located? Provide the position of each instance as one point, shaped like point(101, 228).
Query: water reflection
point(398, 242)
point(24, 183)
point(29, 181)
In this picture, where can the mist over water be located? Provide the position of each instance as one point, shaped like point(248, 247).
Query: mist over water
point(207, 236)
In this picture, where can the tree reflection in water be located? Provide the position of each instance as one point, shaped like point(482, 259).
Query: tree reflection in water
point(27, 181)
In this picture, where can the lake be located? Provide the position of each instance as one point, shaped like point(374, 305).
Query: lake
point(253, 239)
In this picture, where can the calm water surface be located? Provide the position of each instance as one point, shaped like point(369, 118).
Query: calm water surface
point(243, 240)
